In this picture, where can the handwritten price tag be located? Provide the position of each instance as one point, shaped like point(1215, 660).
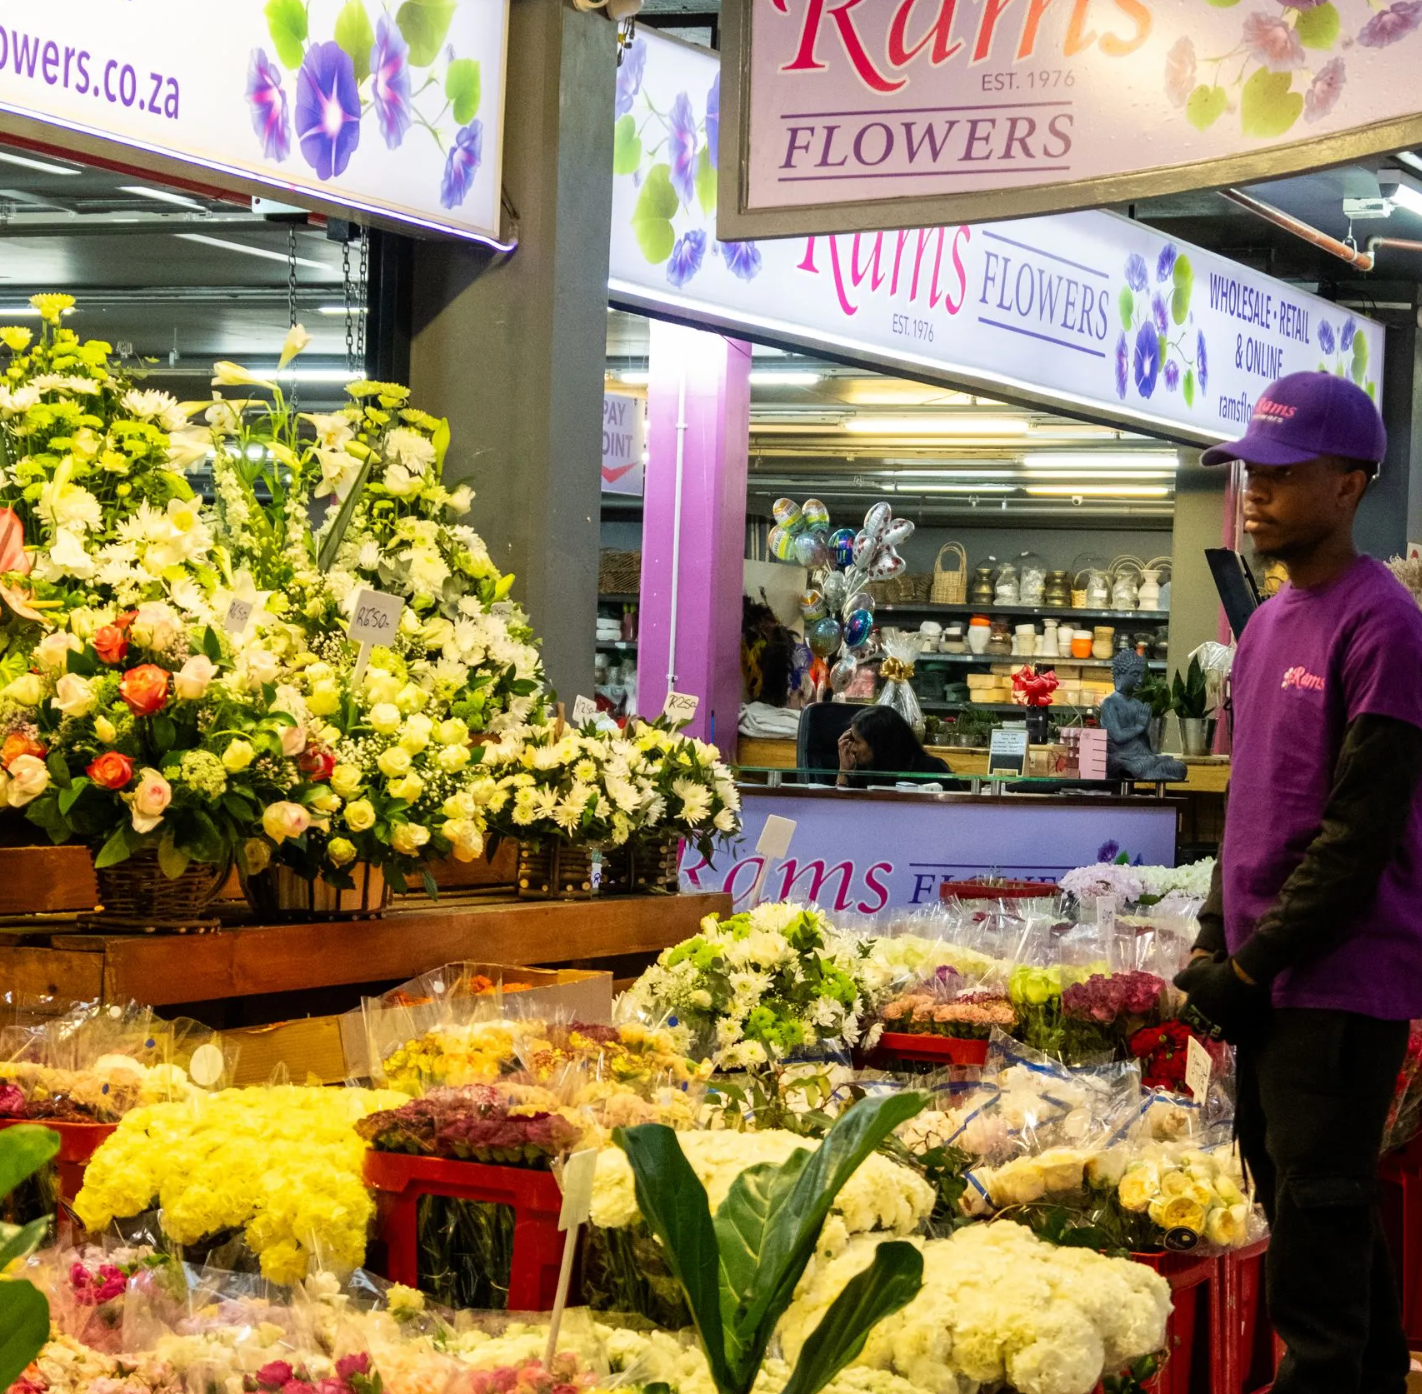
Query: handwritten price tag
point(1197, 1070)
point(239, 613)
point(1106, 913)
point(377, 617)
point(681, 707)
point(584, 710)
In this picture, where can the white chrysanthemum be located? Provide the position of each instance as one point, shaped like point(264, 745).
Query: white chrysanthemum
point(410, 449)
point(159, 407)
point(70, 506)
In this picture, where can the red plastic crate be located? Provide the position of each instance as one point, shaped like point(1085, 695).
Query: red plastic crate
point(932, 1050)
point(1188, 1355)
point(77, 1144)
point(1007, 890)
point(400, 1180)
point(1242, 1334)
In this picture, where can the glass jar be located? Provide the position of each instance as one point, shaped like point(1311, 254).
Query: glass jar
point(1032, 578)
point(1007, 591)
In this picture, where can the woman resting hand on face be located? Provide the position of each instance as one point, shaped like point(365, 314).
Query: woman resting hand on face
point(879, 741)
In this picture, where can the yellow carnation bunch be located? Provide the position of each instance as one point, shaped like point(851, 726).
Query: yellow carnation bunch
point(282, 1164)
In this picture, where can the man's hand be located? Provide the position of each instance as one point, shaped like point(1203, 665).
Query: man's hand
point(1221, 994)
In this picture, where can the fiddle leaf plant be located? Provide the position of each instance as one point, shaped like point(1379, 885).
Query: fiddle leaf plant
point(24, 1312)
point(739, 1270)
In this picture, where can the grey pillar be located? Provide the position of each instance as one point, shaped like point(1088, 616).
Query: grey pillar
point(512, 349)
point(1199, 523)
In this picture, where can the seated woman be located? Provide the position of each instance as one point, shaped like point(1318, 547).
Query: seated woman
point(880, 742)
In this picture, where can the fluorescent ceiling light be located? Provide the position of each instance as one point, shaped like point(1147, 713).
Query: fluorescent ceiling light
point(24, 312)
point(635, 377)
point(43, 166)
point(340, 310)
point(1411, 160)
point(1409, 198)
point(160, 195)
point(341, 375)
point(1097, 474)
point(1101, 491)
point(965, 489)
point(931, 475)
point(783, 377)
point(1104, 459)
point(958, 425)
point(242, 247)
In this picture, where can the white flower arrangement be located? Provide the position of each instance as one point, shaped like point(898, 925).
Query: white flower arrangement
point(1186, 1188)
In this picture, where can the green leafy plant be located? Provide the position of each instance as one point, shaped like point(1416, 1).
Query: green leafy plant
point(1155, 693)
point(1189, 698)
point(739, 1270)
point(24, 1312)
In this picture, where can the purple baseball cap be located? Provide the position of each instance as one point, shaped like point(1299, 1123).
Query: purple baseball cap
point(1306, 415)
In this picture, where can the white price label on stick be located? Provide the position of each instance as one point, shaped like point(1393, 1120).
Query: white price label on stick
point(681, 707)
point(578, 1173)
point(377, 617)
point(1106, 913)
point(239, 613)
point(584, 710)
point(1198, 1066)
point(774, 840)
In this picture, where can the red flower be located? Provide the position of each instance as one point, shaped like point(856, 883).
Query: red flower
point(316, 763)
point(17, 743)
point(274, 1375)
point(145, 689)
point(111, 644)
point(111, 770)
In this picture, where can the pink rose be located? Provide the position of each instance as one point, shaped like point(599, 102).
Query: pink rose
point(191, 680)
point(274, 1375)
point(148, 803)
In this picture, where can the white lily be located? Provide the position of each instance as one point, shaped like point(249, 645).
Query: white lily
point(227, 374)
point(297, 339)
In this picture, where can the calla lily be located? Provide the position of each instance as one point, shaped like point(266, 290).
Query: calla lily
point(226, 374)
point(187, 446)
point(297, 339)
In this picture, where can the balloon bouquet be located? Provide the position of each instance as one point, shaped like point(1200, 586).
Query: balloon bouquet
point(837, 606)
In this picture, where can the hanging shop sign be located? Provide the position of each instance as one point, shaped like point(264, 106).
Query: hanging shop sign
point(864, 856)
point(624, 443)
point(1089, 312)
point(862, 114)
point(347, 107)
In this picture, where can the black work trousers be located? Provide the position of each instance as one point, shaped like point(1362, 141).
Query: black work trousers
point(1314, 1091)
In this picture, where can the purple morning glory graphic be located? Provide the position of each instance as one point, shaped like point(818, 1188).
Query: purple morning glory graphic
point(1108, 851)
point(681, 145)
point(1389, 25)
point(1165, 263)
point(1350, 328)
point(462, 164)
point(1136, 273)
point(268, 102)
point(686, 257)
point(1326, 341)
point(1123, 366)
point(327, 109)
point(1146, 360)
point(629, 75)
point(1202, 362)
point(1160, 315)
point(713, 119)
point(1172, 376)
point(390, 82)
point(743, 259)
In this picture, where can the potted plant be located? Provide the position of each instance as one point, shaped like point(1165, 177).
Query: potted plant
point(1154, 691)
point(1190, 701)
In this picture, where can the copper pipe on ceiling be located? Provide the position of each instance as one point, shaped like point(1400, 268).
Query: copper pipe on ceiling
point(1362, 261)
point(1398, 244)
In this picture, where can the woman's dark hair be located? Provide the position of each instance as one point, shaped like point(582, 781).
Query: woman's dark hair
point(896, 748)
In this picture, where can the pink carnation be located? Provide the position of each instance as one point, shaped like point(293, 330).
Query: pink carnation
point(275, 1375)
point(349, 1365)
point(1272, 41)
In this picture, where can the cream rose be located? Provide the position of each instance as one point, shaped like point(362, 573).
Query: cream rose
point(257, 855)
point(28, 780)
point(262, 667)
point(453, 758)
point(385, 718)
point(416, 735)
point(360, 815)
point(73, 696)
point(192, 680)
point(394, 762)
point(409, 787)
point(238, 755)
point(105, 730)
point(408, 838)
point(346, 780)
point(283, 820)
point(293, 740)
point(54, 649)
point(411, 698)
point(149, 802)
point(324, 699)
point(27, 690)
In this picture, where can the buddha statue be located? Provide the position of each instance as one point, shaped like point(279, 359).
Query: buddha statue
point(1127, 722)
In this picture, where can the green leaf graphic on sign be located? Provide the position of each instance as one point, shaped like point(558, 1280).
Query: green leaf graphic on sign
point(1128, 308)
point(1188, 388)
point(286, 19)
point(1184, 289)
point(1205, 106)
point(355, 36)
point(651, 219)
point(1267, 108)
point(626, 147)
point(1224, 4)
point(1372, 389)
point(461, 86)
point(1360, 358)
point(1318, 28)
point(424, 23)
point(705, 182)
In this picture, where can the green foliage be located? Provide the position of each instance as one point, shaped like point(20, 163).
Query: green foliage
point(463, 88)
point(286, 22)
point(651, 218)
point(1318, 27)
point(355, 36)
point(739, 1271)
point(705, 181)
point(1205, 106)
point(1154, 691)
point(1184, 288)
point(1127, 304)
point(626, 146)
point(1189, 698)
point(1267, 105)
point(24, 1313)
point(424, 25)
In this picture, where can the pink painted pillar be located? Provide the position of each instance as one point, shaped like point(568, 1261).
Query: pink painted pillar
point(699, 394)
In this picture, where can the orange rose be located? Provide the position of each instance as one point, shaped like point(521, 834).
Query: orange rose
point(17, 744)
point(145, 689)
point(111, 770)
point(111, 644)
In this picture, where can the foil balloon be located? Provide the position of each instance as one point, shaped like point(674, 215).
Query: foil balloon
point(788, 514)
point(835, 590)
point(812, 605)
point(857, 628)
point(842, 674)
point(864, 546)
point(811, 551)
point(898, 532)
point(841, 545)
point(815, 514)
point(877, 519)
point(825, 636)
point(780, 544)
point(887, 566)
point(860, 600)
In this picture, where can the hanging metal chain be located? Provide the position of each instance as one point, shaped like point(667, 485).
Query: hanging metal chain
point(346, 300)
point(363, 313)
point(291, 275)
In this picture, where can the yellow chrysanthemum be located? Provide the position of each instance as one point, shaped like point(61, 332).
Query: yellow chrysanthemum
point(52, 305)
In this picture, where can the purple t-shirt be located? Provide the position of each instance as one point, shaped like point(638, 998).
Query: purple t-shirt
point(1311, 661)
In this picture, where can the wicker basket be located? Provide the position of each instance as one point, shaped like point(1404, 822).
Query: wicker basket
point(135, 895)
point(654, 865)
point(619, 573)
point(278, 894)
point(950, 587)
point(555, 870)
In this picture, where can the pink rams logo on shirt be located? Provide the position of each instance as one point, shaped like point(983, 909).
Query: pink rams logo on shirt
point(1301, 678)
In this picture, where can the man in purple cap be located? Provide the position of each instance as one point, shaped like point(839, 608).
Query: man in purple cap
point(1310, 951)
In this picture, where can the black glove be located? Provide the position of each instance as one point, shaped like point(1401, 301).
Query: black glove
point(1219, 995)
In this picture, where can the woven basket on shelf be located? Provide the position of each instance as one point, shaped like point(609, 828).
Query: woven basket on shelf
point(278, 894)
point(555, 870)
point(619, 573)
point(950, 587)
point(135, 895)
